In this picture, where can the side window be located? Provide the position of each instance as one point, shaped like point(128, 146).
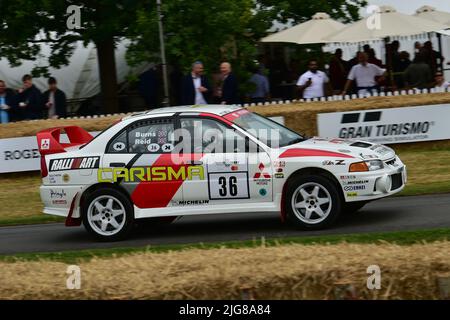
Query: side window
point(149, 136)
point(210, 136)
point(119, 144)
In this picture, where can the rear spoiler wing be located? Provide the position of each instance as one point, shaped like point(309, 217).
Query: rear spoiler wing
point(49, 139)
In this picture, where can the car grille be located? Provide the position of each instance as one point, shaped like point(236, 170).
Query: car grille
point(391, 162)
point(397, 181)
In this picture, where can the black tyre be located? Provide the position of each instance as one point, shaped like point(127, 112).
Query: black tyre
point(353, 207)
point(313, 202)
point(108, 215)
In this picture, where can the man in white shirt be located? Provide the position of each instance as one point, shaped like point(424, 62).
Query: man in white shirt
point(440, 81)
point(195, 86)
point(364, 74)
point(312, 82)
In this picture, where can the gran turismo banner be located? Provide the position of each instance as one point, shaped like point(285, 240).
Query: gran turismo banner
point(388, 126)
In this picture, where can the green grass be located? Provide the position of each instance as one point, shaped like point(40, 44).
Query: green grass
point(399, 238)
point(426, 189)
point(428, 173)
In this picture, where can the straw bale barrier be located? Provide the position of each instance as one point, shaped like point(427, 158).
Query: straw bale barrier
point(293, 271)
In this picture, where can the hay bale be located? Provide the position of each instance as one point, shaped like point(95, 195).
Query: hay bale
point(281, 272)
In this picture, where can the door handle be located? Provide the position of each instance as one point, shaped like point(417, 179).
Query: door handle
point(117, 165)
point(194, 163)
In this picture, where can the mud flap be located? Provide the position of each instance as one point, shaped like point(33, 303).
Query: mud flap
point(70, 221)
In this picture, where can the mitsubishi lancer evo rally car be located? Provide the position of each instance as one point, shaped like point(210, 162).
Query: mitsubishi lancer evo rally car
point(167, 163)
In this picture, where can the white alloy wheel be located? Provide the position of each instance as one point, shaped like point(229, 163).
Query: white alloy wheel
point(311, 203)
point(106, 215)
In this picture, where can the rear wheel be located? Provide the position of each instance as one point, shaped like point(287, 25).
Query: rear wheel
point(312, 202)
point(108, 215)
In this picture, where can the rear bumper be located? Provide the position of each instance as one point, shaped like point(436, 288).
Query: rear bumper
point(58, 199)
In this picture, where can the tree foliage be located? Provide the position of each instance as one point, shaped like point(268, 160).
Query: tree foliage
point(26, 24)
point(207, 30)
point(216, 30)
point(300, 10)
point(210, 31)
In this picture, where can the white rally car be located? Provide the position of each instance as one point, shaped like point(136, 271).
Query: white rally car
point(196, 160)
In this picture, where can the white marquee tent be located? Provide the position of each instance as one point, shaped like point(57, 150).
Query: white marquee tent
point(386, 23)
point(79, 79)
point(430, 13)
point(311, 31)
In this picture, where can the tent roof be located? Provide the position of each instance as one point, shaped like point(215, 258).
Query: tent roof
point(79, 79)
point(430, 13)
point(385, 23)
point(312, 31)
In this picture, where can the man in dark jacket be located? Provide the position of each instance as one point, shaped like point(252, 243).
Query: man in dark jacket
point(29, 99)
point(418, 74)
point(338, 71)
point(230, 89)
point(195, 88)
point(54, 100)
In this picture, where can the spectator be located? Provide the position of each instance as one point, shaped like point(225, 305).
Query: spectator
point(400, 67)
point(263, 63)
point(432, 57)
point(195, 87)
point(148, 87)
point(440, 82)
point(54, 100)
point(312, 82)
point(395, 55)
point(417, 48)
point(338, 71)
point(261, 83)
point(230, 89)
point(29, 99)
point(418, 74)
point(372, 58)
point(7, 103)
point(364, 74)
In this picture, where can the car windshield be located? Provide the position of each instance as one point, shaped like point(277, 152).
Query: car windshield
point(265, 130)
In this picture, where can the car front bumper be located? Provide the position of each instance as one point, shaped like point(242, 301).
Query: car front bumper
point(367, 186)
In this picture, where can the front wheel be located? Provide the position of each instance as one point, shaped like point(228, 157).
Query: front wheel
point(108, 215)
point(312, 202)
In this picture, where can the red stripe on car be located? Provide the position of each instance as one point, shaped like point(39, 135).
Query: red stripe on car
point(76, 163)
point(215, 116)
point(157, 194)
point(292, 153)
point(236, 114)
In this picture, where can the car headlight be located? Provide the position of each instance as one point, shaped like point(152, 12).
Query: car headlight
point(371, 165)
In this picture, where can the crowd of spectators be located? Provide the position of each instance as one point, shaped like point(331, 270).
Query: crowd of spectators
point(365, 73)
point(270, 78)
point(29, 103)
